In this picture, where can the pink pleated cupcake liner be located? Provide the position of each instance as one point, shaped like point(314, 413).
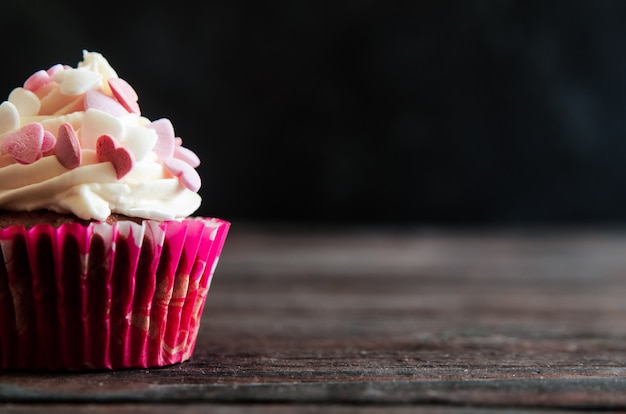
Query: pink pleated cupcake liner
point(105, 296)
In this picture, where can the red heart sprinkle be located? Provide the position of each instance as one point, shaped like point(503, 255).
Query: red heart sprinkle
point(107, 149)
point(67, 149)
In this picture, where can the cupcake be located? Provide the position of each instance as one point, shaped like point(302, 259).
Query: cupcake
point(102, 265)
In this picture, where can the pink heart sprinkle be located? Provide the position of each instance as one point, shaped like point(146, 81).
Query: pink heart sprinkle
point(98, 100)
point(37, 80)
point(107, 149)
point(187, 155)
point(24, 145)
point(125, 94)
point(49, 141)
point(185, 173)
point(67, 149)
point(52, 70)
point(164, 147)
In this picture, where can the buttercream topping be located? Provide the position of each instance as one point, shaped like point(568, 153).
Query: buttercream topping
point(73, 140)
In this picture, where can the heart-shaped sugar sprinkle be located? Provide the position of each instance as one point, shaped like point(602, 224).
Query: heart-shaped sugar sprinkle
point(164, 147)
point(9, 117)
point(67, 149)
point(76, 81)
point(107, 149)
point(37, 80)
point(48, 143)
point(125, 94)
point(98, 100)
point(139, 141)
point(24, 145)
point(26, 102)
point(52, 70)
point(186, 174)
point(96, 123)
point(187, 155)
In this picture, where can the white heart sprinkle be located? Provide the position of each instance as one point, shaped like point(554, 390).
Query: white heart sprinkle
point(26, 102)
point(76, 81)
point(139, 140)
point(96, 123)
point(9, 117)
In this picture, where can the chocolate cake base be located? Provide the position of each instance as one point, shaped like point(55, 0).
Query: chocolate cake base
point(32, 218)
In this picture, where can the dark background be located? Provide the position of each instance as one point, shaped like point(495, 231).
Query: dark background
point(422, 112)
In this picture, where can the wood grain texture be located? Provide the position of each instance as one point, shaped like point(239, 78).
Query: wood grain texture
point(366, 318)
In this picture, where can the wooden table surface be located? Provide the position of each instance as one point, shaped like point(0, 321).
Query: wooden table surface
point(384, 320)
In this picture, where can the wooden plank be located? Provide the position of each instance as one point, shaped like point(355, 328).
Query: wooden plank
point(494, 319)
point(194, 408)
point(587, 393)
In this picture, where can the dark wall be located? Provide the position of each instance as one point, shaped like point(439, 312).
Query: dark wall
point(436, 112)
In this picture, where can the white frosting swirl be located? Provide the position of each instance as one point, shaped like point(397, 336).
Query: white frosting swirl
point(92, 190)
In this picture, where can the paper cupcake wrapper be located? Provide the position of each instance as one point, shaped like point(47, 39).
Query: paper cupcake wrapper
point(104, 296)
